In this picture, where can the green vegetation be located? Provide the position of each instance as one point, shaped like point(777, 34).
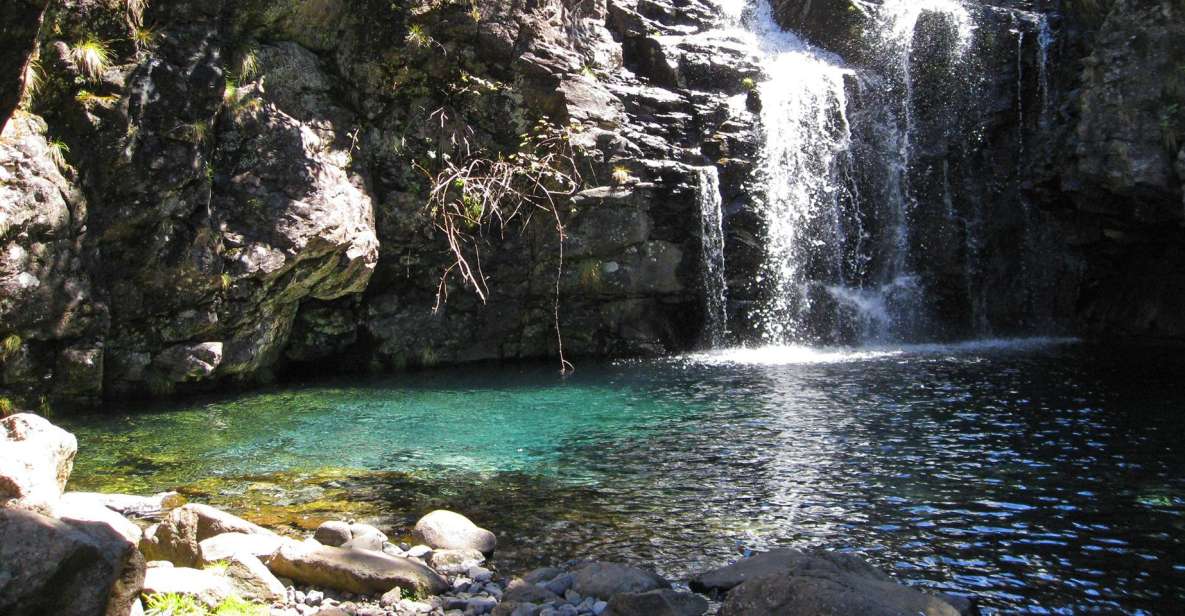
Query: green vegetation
point(92, 57)
point(417, 37)
point(621, 175)
point(10, 346)
point(748, 84)
point(143, 37)
point(174, 604)
point(6, 407)
point(34, 80)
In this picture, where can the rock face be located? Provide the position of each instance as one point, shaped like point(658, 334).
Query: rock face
point(809, 583)
point(18, 39)
point(356, 571)
point(36, 458)
point(49, 566)
point(453, 531)
point(243, 196)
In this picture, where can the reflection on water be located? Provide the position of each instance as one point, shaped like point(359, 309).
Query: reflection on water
point(1042, 475)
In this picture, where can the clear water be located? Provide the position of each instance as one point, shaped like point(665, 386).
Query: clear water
point(1043, 476)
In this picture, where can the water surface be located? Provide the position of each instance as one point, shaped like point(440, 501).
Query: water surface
point(1043, 476)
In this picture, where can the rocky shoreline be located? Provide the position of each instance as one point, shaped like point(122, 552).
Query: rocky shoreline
point(82, 553)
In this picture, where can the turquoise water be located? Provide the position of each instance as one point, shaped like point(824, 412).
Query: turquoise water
point(1044, 476)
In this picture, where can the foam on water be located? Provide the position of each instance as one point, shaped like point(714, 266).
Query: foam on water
point(786, 355)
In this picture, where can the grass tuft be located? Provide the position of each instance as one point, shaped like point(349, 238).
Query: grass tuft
point(93, 57)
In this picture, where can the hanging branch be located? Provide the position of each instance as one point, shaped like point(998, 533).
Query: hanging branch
point(477, 195)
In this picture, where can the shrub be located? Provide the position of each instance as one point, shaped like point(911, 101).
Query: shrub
point(92, 57)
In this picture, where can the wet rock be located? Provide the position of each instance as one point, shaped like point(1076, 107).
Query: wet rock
point(136, 506)
point(333, 533)
point(207, 587)
point(36, 462)
point(48, 566)
point(665, 602)
point(212, 522)
point(453, 531)
point(357, 571)
point(81, 507)
point(604, 580)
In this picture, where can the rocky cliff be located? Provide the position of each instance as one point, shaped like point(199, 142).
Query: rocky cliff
point(200, 194)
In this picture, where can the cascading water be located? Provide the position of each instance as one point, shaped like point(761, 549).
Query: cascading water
point(861, 177)
point(712, 239)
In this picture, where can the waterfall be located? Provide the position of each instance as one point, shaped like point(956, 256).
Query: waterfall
point(712, 266)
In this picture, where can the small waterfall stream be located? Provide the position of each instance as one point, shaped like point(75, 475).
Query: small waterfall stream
point(712, 238)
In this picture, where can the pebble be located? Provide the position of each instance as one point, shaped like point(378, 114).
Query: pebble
point(419, 551)
point(481, 574)
point(560, 584)
point(573, 597)
point(599, 606)
point(481, 605)
point(314, 597)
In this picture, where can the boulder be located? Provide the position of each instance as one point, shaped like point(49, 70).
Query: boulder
point(36, 458)
point(521, 591)
point(174, 539)
point(208, 587)
point(454, 562)
point(212, 522)
point(605, 580)
point(49, 566)
point(226, 545)
point(84, 507)
point(789, 581)
point(356, 571)
point(333, 533)
point(452, 531)
point(252, 580)
point(664, 602)
point(365, 537)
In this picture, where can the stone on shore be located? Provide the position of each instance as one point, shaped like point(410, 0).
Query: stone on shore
point(208, 587)
point(605, 580)
point(356, 571)
point(333, 533)
point(446, 530)
point(226, 545)
point(177, 536)
point(665, 602)
point(36, 458)
point(84, 507)
point(132, 505)
point(48, 566)
point(455, 562)
point(212, 522)
point(814, 583)
point(252, 580)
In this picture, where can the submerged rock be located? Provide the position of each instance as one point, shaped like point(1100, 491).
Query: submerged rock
point(605, 580)
point(36, 458)
point(356, 571)
point(452, 531)
point(665, 602)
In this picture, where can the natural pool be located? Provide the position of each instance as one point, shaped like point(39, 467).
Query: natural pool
point(1043, 475)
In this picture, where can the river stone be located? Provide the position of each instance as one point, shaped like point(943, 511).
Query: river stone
point(365, 537)
point(604, 580)
point(664, 602)
point(725, 578)
point(333, 533)
point(36, 458)
point(454, 562)
point(446, 530)
point(212, 522)
point(208, 587)
point(83, 507)
point(252, 580)
point(222, 547)
point(48, 566)
point(356, 571)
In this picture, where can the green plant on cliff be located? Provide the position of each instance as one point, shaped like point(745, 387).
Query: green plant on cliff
point(57, 151)
point(10, 346)
point(92, 57)
point(417, 37)
point(33, 81)
point(6, 406)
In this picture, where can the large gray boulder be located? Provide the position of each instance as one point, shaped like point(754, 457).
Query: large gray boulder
point(226, 545)
point(177, 537)
point(251, 579)
point(36, 458)
point(789, 581)
point(605, 580)
point(48, 566)
point(446, 530)
point(356, 571)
